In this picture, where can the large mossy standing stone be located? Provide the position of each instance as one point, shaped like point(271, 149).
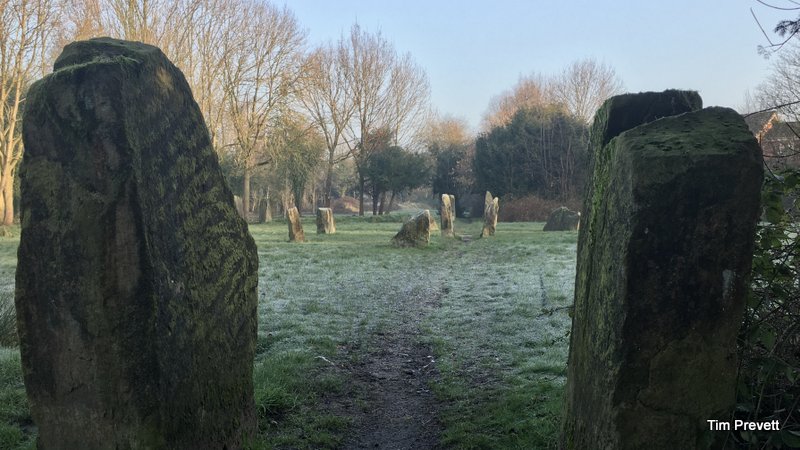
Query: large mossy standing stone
point(296, 233)
point(136, 282)
point(663, 260)
point(562, 219)
point(491, 208)
point(415, 232)
point(448, 215)
point(325, 221)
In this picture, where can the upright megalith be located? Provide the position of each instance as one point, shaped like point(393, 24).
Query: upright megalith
point(562, 219)
point(415, 232)
point(136, 283)
point(325, 222)
point(491, 207)
point(296, 233)
point(448, 214)
point(663, 258)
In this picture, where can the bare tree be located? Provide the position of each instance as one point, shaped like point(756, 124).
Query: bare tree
point(25, 36)
point(326, 98)
point(529, 92)
point(781, 89)
point(260, 72)
point(445, 131)
point(583, 86)
point(389, 94)
point(408, 99)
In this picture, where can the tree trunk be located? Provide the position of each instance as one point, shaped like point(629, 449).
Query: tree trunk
point(361, 183)
point(375, 197)
point(326, 195)
point(8, 200)
point(391, 203)
point(298, 201)
point(246, 192)
point(382, 208)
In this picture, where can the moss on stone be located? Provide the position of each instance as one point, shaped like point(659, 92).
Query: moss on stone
point(136, 282)
point(671, 210)
point(415, 232)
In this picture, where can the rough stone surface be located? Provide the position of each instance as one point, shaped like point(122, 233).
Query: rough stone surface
point(491, 207)
point(448, 215)
point(663, 259)
point(627, 111)
point(325, 222)
point(136, 282)
point(264, 213)
point(415, 232)
point(296, 233)
point(562, 219)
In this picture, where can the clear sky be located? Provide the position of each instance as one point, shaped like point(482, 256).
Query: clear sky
point(473, 50)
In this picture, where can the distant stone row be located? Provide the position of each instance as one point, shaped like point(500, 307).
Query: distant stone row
point(416, 231)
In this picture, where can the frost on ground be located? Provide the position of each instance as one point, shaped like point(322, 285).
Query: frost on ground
point(462, 344)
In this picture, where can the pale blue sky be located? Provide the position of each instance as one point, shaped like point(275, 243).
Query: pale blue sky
point(473, 50)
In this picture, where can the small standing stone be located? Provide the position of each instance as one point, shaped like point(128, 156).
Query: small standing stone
point(448, 215)
point(562, 219)
point(325, 222)
point(295, 226)
point(415, 232)
point(491, 207)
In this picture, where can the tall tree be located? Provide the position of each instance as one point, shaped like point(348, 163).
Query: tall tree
point(541, 151)
point(389, 95)
point(530, 92)
point(297, 154)
point(26, 33)
point(326, 98)
point(393, 170)
point(584, 86)
point(260, 72)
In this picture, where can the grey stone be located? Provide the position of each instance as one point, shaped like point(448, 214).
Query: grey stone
point(296, 233)
point(415, 232)
point(664, 255)
point(325, 222)
point(491, 208)
point(448, 215)
point(136, 282)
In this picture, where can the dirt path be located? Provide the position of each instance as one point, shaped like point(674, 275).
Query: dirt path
point(393, 406)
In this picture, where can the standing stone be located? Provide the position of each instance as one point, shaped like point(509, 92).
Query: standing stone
point(663, 260)
point(562, 219)
point(491, 207)
point(448, 214)
point(325, 222)
point(415, 232)
point(295, 226)
point(136, 282)
point(264, 213)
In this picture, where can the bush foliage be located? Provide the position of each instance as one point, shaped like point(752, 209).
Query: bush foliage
point(769, 341)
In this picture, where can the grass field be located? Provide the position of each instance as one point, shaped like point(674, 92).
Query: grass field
point(493, 312)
